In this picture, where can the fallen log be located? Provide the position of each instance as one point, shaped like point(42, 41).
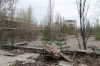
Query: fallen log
point(74, 56)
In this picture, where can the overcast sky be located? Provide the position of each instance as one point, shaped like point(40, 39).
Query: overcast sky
point(67, 8)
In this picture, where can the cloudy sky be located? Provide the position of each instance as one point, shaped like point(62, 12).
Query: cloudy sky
point(67, 8)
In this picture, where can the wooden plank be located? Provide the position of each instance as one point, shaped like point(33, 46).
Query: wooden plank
point(74, 56)
point(65, 56)
point(39, 57)
point(51, 50)
point(46, 49)
point(50, 53)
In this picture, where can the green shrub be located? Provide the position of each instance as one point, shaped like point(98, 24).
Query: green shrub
point(61, 39)
point(31, 57)
point(47, 42)
point(46, 39)
point(21, 35)
point(97, 37)
point(12, 65)
point(62, 45)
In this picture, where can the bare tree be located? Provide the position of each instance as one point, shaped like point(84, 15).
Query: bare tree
point(12, 15)
point(78, 39)
point(28, 24)
point(58, 23)
point(29, 18)
point(47, 34)
point(82, 7)
point(50, 12)
point(21, 16)
point(5, 6)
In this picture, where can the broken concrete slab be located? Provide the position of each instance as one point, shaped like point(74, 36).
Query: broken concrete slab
point(4, 52)
point(22, 43)
point(82, 65)
point(63, 63)
point(65, 57)
point(7, 60)
point(11, 55)
point(85, 51)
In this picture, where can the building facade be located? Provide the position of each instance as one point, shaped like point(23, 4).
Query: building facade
point(70, 22)
point(70, 26)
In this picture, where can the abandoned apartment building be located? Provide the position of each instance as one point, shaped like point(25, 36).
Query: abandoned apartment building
point(70, 22)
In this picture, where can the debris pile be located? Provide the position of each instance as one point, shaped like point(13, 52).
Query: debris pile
point(21, 51)
point(91, 59)
point(87, 60)
point(22, 63)
point(17, 51)
point(77, 58)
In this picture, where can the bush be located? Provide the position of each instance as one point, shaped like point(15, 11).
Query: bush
point(62, 45)
point(61, 39)
point(97, 37)
point(21, 35)
point(46, 38)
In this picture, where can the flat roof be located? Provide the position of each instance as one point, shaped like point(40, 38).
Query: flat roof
point(70, 20)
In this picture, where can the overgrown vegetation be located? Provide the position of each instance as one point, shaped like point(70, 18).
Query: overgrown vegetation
point(31, 57)
point(97, 37)
point(27, 25)
point(61, 38)
point(61, 42)
point(46, 34)
point(12, 65)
